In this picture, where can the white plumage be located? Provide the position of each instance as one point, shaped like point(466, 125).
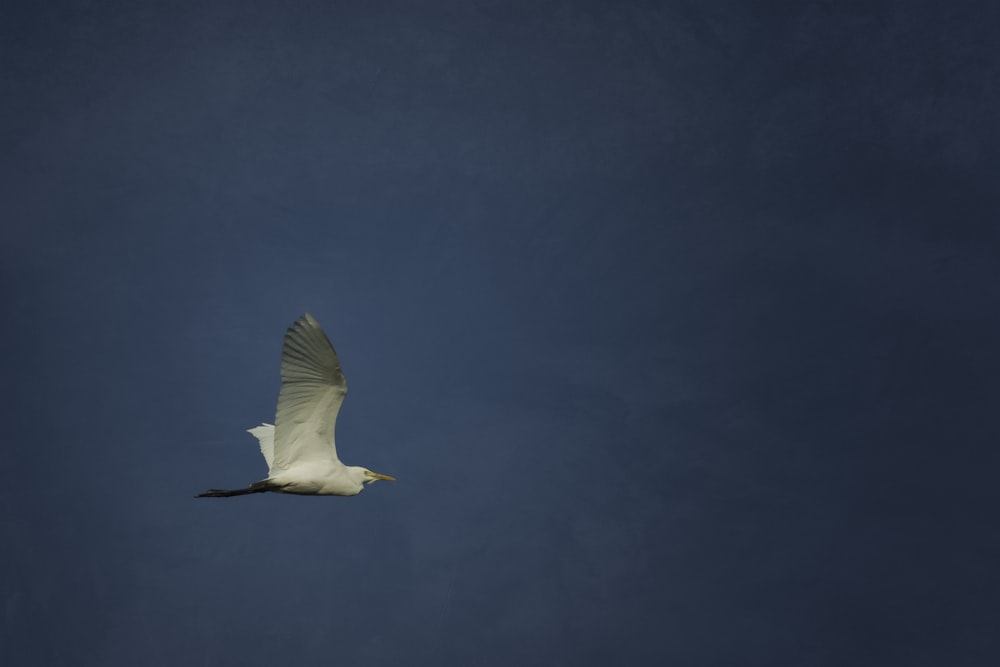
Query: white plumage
point(300, 448)
point(265, 436)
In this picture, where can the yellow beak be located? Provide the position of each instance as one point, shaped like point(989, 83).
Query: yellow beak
point(385, 477)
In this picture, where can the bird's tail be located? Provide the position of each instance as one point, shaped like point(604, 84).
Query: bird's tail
point(256, 487)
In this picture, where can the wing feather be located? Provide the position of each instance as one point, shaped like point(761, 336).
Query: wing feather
point(265, 437)
point(312, 388)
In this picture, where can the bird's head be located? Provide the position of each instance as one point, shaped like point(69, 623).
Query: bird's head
point(366, 476)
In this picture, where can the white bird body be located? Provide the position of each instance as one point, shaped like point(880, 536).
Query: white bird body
point(299, 448)
point(320, 479)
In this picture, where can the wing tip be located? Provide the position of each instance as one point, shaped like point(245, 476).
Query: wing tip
point(302, 325)
point(306, 318)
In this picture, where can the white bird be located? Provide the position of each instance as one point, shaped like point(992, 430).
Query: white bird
point(300, 450)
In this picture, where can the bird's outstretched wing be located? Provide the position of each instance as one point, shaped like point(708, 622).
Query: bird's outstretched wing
point(312, 389)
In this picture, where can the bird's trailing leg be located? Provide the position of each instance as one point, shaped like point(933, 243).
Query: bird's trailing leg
point(256, 487)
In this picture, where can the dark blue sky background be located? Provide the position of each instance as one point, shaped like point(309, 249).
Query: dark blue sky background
point(676, 321)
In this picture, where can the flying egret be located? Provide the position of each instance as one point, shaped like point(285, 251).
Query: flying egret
point(300, 450)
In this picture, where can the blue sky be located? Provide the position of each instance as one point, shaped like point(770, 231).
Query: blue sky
point(676, 323)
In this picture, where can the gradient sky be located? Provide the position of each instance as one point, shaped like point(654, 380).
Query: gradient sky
point(677, 323)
